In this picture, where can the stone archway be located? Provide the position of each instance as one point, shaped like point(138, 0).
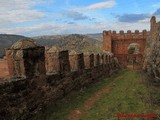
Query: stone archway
point(118, 44)
point(134, 57)
point(134, 48)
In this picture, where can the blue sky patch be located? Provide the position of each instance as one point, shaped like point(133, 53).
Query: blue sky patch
point(51, 17)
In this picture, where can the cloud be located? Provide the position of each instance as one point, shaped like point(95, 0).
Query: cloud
point(53, 29)
point(92, 19)
point(132, 17)
point(157, 12)
point(96, 6)
point(71, 22)
point(101, 5)
point(16, 4)
point(157, 5)
point(38, 29)
point(65, 28)
point(20, 16)
point(75, 15)
point(18, 11)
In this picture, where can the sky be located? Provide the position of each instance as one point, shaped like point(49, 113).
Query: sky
point(54, 17)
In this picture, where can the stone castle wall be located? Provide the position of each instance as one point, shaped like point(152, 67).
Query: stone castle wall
point(118, 43)
point(152, 52)
point(39, 77)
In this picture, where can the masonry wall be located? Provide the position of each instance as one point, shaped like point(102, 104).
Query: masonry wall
point(152, 52)
point(23, 98)
point(119, 43)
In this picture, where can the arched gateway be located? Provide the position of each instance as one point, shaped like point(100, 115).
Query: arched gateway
point(127, 47)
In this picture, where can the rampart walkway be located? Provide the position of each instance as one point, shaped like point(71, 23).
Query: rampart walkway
point(123, 94)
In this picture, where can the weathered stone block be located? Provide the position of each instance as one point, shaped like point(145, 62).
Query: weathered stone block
point(107, 41)
point(25, 59)
point(64, 62)
point(96, 60)
point(76, 61)
point(52, 60)
point(57, 61)
point(88, 60)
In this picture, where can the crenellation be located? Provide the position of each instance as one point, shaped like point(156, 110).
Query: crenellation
point(136, 34)
point(128, 35)
point(57, 61)
point(76, 61)
point(153, 23)
point(42, 76)
point(64, 63)
point(52, 60)
point(25, 59)
point(121, 35)
point(107, 40)
point(114, 32)
point(118, 44)
point(114, 35)
point(105, 58)
point(129, 32)
point(101, 59)
point(96, 59)
point(106, 32)
point(144, 34)
point(88, 60)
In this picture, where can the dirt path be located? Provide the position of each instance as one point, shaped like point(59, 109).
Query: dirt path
point(75, 114)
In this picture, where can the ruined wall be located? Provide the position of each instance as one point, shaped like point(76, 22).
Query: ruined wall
point(22, 97)
point(107, 41)
point(119, 43)
point(152, 51)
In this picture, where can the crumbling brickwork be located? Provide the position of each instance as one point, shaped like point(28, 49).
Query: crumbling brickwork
point(52, 60)
point(76, 61)
point(57, 61)
point(96, 60)
point(31, 89)
point(152, 52)
point(88, 60)
point(25, 59)
point(118, 44)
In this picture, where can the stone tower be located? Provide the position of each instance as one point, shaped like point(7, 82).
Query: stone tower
point(107, 41)
point(152, 23)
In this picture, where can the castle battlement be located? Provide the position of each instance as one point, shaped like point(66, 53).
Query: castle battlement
point(41, 75)
point(126, 36)
point(118, 43)
point(27, 60)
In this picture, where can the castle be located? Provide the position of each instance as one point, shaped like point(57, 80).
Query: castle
point(39, 76)
point(119, 44)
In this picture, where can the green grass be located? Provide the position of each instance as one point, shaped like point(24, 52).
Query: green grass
point(129, 96)
point(73, 101)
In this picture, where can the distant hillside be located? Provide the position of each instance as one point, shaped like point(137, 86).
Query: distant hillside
point(81, 43)
point(97, 36)
point(7, 40)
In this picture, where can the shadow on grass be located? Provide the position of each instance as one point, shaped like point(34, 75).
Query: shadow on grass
point(75, 99)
